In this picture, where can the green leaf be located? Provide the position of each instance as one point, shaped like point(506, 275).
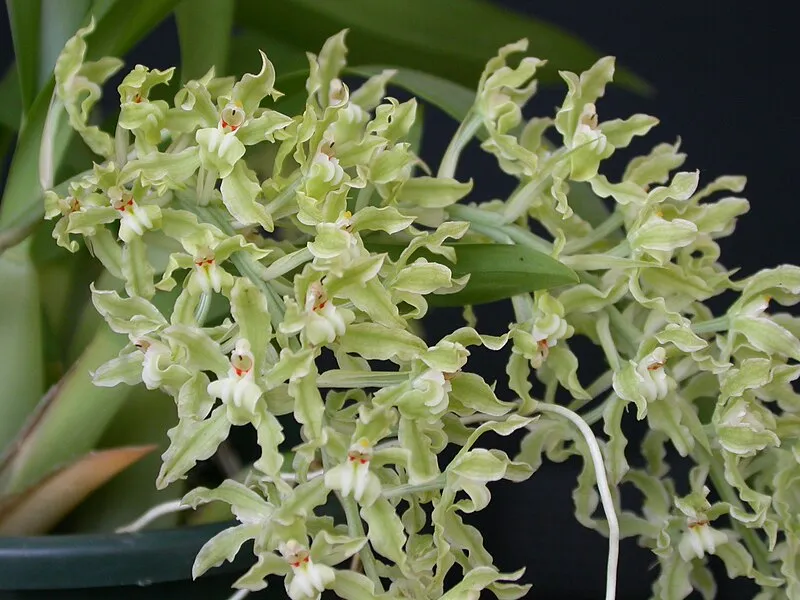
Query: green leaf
point(497, 271)
point(59, 21)
point(68, 421)
point(21, 366)
point(10, 100)
point(437, 36)
point(204, 33)
point(143, 420)
point(35, 510)
point(24, 16)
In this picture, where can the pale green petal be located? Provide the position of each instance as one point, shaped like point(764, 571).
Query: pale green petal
point(239, 191)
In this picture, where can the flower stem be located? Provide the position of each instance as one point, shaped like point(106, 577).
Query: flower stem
point(407, 489)
point(602, 487)
point(607, 227)
point(287, 263)
point(465, 132)
point(712, 325)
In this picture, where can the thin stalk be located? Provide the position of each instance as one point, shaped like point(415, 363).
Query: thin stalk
point(285, 197)
point(603, 328)
point(355, 528)
point(602, 487)
point(47, 167)
point(159, 510)
point(287, 263)
point(606, 228)
point(404, 490)
point(712, 325)
point(465, 132)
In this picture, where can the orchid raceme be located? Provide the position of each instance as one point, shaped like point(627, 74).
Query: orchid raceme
point(266, 226)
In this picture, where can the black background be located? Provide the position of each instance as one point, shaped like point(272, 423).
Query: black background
point(724, 74)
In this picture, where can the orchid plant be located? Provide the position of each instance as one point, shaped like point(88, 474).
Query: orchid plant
point(253, 247)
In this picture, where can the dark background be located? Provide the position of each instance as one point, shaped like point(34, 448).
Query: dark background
point(724, 75)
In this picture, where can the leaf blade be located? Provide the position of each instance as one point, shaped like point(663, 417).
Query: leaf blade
point(204, 34)
point(42, 505)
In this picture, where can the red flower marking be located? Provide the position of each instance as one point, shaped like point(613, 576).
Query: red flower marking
point(125, 205)
point(701, 523)
point(239, 372)
point(226, 125)
point(655, 366)
point(137, 98)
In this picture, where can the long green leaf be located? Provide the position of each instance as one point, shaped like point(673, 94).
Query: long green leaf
point(10, 100)
point(69, 420)
point(204, 33)
point(60, 20)
point(38, 508)
point(497, 271)
point(143, 420)
point(21, 370)
point(442, 37)
point(24, 16)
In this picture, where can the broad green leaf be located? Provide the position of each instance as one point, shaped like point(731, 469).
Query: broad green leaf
point(38, 508)
point(24, 16)
point(68, 421)
point(204, 33)
point(59, 21)
point(21, 365)
point(10, 100)
point(143, 420)
point(435, 36)
point(497, 271)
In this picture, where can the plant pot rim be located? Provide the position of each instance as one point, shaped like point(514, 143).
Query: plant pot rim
point(106, 559)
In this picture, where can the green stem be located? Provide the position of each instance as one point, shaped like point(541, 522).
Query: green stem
point(355, 528)
point(287, 263)
point(465, 132)
point(606, 228)
point(492, 224)
point(712, 325)
point(276, 206)
point(401, 491)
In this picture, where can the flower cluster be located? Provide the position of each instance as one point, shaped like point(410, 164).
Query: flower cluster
point(239, 268)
